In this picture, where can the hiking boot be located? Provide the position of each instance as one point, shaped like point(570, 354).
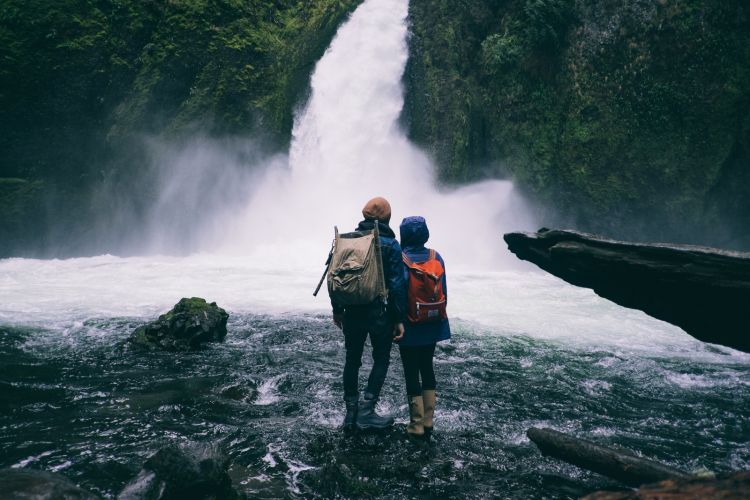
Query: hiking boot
point(428, 398)
point(416, 417)
point(350, 419)
point(367, 418)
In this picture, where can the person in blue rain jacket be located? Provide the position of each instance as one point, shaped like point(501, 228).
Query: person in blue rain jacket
point(417, 346)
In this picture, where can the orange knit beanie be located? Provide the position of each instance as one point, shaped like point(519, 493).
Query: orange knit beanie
point(377, 209)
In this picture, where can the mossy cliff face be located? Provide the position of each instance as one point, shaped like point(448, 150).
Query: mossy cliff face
point(82, 81)
point(626, 118)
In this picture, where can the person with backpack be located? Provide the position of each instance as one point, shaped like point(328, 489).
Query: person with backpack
point(368, 295)
point(426, 325)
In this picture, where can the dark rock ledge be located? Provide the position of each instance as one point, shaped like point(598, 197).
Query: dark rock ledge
point(704, 291)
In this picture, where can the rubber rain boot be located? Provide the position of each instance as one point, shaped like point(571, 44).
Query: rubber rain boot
point(415, 429)
point(352, 405)
point(367, 418)
point(428, 397)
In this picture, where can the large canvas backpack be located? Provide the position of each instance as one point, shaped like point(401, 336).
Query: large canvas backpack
point(426, 298)
point(355, 273)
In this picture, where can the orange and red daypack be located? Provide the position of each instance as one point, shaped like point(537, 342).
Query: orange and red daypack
point(426, 300)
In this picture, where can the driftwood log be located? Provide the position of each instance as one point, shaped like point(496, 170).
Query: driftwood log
point(704, 291)
point(621, 465)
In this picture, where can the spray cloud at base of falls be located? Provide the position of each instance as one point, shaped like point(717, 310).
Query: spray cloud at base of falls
point(347, 147)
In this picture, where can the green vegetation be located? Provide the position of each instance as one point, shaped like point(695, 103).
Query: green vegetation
point(629, 119)
point(82, 80)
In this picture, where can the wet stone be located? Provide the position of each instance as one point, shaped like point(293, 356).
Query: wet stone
point(30, 484)
point(190, 324)
point(191, 471)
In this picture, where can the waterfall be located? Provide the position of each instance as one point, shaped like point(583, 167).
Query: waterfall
point(348, 147)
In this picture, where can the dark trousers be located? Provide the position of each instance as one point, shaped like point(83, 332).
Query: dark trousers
point(417, 363)
point(359, 322)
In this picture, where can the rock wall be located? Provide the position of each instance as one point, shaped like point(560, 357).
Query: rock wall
point(630, 119)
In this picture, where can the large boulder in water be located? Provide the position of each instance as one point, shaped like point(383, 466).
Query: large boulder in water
point(704, 291)
point(192, 471)
point(30, 484)
point(191, 323)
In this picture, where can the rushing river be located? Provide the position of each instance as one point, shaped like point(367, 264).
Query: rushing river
point(528, 349)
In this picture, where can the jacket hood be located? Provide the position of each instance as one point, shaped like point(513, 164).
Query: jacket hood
point(414, 232)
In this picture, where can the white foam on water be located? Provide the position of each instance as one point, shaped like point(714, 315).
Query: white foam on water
point(347, 147)
point(32, 459)
point(268, 391)
point(59, 294)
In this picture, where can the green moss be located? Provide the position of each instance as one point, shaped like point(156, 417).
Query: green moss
point(82, 80)
point(621, 118)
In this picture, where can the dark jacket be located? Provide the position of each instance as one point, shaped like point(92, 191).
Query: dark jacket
point(414, 234)
point(393, 269)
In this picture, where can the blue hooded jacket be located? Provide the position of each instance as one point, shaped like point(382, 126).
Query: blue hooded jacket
point(414, 234)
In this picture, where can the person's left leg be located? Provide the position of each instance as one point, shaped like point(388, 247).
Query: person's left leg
point(410, 360)
point(355, 336)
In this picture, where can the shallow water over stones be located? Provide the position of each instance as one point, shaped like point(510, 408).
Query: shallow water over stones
point(85, 405)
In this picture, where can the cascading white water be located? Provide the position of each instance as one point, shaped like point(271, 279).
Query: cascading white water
point(347, 148)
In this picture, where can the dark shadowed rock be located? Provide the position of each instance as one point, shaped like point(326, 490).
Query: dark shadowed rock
point(30, 484)
point(195, 471)
point(705, 291)
point(191, 323)
point(733, 486)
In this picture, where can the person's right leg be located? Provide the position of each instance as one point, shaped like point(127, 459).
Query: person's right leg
point(354, 341)
point(381, 336)
point(410, 360)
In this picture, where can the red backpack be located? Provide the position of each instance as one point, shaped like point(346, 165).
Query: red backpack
point(426, 297)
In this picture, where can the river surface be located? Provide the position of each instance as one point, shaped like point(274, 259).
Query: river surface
point(527, 349)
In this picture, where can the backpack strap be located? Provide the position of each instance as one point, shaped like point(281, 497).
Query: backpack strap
point(381, 273)
point(406, 259)
point(410, 263)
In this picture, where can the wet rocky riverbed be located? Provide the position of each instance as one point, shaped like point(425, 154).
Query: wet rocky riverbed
point(83, 403)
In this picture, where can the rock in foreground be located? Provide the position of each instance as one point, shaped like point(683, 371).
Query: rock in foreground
point(191, 323)
point(704, 291)
point(193, 471)
point(30, 484)
point(733, 486)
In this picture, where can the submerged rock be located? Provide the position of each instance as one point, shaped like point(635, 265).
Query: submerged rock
point(191, 323)
point(30, 484)
point(704, 291)
point(194, 471)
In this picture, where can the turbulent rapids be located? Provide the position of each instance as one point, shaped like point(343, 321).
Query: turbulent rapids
point(527, 349)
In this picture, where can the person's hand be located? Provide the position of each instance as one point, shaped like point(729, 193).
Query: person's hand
point(338, 320)
point(398, 331)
